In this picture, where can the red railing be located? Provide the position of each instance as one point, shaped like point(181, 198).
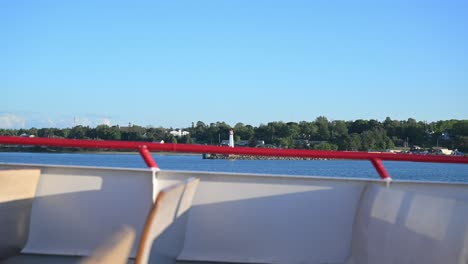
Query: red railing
point(144, 149)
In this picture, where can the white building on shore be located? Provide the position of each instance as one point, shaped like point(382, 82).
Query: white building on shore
point(179, 133)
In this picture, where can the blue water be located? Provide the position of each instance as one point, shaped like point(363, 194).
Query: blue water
point(339, 168)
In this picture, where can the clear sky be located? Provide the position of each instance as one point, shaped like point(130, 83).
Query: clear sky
point(172, 63)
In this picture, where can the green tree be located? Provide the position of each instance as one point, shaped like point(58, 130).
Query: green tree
point(63, 132)
point(170, 138)
point(294, 130)
point(308, 130)
point(46, 132)
point(243, 131)
point(214, 135)
point(90, 132)
point(339, 129)
point(114, 133)
point(367, 141)
point(460, 128)
point(7, 132)
point(32, 131)
point(187, 139)
point(285, 142)
point(253, 141)
point(374, 124)
point(103, 132)
point(359, 126)
point(107, 133)
point(77, 132)
point(156, 133)
point(135, 133)
point(323, 130)
point(200, 132)
point(261, 133)
point(353, 142)
point(325, 146)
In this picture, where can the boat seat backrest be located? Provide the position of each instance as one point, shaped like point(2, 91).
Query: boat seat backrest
point(163, 236)
point(17, 190)
point(411, 224)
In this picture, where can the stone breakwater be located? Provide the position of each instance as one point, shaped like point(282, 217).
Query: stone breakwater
point(251, 157)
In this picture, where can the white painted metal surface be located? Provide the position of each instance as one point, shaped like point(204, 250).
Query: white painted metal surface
point(412, 223)
point(76, 208)
point(259, 218)
point(271, 219)
point(17, 191)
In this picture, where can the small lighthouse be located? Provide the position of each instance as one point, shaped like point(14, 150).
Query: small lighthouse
point(231, 138)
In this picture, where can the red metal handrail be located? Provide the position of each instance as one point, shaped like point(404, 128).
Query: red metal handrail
point(145, 147)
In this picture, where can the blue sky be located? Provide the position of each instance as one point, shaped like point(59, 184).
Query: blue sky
point(172, 63)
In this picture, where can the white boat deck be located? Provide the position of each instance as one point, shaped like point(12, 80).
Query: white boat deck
point(244, 218)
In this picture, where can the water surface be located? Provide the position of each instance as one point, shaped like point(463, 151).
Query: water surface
point(339, 168)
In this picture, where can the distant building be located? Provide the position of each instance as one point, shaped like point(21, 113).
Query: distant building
point(303, 142)
point(395, 150)
point(442, 151)
point(126, 128)
point(179, 133)
point(416, 148)
point(240, 143)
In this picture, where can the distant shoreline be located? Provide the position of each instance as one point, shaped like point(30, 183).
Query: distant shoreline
point(252, 157)
point(35, 149)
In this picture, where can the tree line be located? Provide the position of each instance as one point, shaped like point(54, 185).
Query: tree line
point(321, 133)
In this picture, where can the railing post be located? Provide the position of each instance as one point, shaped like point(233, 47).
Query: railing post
point(146, 155)
point(379, 167)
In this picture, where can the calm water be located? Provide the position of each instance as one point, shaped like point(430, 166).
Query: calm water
point(339, 168)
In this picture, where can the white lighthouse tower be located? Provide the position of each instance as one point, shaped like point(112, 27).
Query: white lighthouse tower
point(231, 138)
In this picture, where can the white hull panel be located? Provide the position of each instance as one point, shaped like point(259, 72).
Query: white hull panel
point(258, 218)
